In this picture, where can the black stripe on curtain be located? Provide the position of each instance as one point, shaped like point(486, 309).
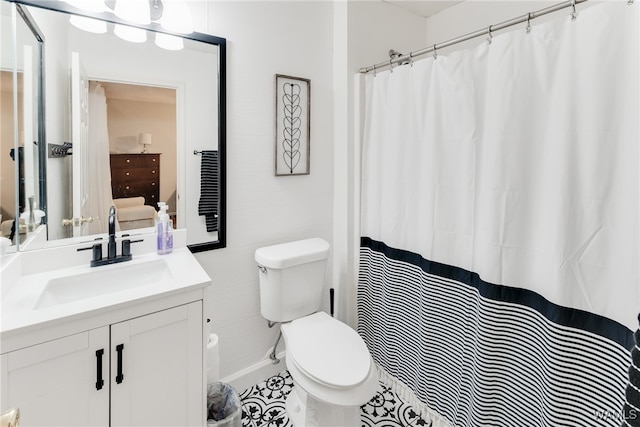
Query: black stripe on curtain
point(209, 189)
point(482, 354)
point(631, 410)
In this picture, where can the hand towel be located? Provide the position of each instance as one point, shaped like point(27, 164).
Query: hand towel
point(209, 189)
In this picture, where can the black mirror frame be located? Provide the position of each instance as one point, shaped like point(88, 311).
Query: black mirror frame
point(42, 146)
point(59, 6)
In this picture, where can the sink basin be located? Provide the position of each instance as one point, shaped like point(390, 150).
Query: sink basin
point(101, 281)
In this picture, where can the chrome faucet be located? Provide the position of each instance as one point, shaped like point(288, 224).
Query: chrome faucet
point(111, 246)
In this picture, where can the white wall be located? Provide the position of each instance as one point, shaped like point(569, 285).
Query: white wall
point(264, 39)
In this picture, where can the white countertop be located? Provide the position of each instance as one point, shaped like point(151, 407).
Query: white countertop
point(22, 286)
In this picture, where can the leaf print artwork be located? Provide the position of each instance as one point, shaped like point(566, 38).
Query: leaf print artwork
point(292, 127)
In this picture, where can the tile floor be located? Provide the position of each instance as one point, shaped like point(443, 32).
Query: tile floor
point(263, 406)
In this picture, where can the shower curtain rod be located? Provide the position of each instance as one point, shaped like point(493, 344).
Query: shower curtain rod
point(483, 32)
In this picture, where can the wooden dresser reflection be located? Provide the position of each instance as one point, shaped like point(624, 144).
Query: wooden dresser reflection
point(135, 175)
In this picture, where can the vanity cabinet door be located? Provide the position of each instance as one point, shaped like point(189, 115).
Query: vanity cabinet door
point(57, 383)
point(157, 369)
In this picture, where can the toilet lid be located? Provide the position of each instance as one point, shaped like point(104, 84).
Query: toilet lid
point(327, 350)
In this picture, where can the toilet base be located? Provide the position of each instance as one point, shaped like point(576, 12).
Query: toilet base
point(305, 411)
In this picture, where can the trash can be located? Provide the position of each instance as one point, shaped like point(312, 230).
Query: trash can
point(223, 406)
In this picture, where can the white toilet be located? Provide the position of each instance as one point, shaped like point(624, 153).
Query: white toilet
point(332, 370)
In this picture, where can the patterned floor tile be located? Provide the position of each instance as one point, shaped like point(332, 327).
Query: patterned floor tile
point(246, 420)
point(276, 387)
point(261, 413)
point(263, 405)
point(387, 409)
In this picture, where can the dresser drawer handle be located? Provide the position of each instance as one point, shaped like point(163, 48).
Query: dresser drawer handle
point(127, 173)
point(127, 187)
point(128, 161)
point(153, 160)
point(153, 184)
point(153, 171)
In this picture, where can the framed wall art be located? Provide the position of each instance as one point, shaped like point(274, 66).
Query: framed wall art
point(292, 127)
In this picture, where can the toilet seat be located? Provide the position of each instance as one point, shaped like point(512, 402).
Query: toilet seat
point(327, 351)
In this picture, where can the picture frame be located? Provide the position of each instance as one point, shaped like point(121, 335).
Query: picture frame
point(292, 125)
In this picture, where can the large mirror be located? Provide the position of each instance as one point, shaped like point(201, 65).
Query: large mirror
point(130, 124)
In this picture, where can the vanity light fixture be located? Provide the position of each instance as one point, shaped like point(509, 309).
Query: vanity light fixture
point(88, 24)
point(134, 11)
point(176, 17)
point(172, 15)
point(88, 5)
point(130, 34)
point(169, 42)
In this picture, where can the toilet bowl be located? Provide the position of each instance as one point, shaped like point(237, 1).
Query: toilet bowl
point(332, 370)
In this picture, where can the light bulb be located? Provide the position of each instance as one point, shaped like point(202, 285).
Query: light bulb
point(169, 42)
point(135, 11)
point(176, 17)
point(88, 5)
point(131, 34)
point(88, 24)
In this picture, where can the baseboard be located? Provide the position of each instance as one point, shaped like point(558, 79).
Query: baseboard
point(254, 374)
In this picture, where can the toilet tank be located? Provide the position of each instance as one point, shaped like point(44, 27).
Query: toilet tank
point(292, 278)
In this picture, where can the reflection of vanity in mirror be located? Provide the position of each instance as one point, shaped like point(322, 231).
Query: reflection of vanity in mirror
point(127, 124)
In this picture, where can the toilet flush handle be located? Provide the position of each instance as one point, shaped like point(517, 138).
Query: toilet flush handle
point(262, 269)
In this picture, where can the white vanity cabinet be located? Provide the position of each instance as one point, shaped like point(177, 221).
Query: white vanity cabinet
point(161, 367)
point(54, 383)
point(151, 367)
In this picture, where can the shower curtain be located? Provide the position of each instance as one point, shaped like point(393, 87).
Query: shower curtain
point(100, 195)
point(498, 281)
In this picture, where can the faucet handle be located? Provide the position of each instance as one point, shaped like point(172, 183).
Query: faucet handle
point(96, 249)
point(126, 244)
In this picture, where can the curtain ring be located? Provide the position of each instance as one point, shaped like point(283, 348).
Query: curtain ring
point(574, 14)
point(390, 65)
point(411, 59)
point(435, 52)
point(490, 39)
point(374, 70)
point(528, 29)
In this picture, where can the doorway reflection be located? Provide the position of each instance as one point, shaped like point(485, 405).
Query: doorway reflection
point(133, 131)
